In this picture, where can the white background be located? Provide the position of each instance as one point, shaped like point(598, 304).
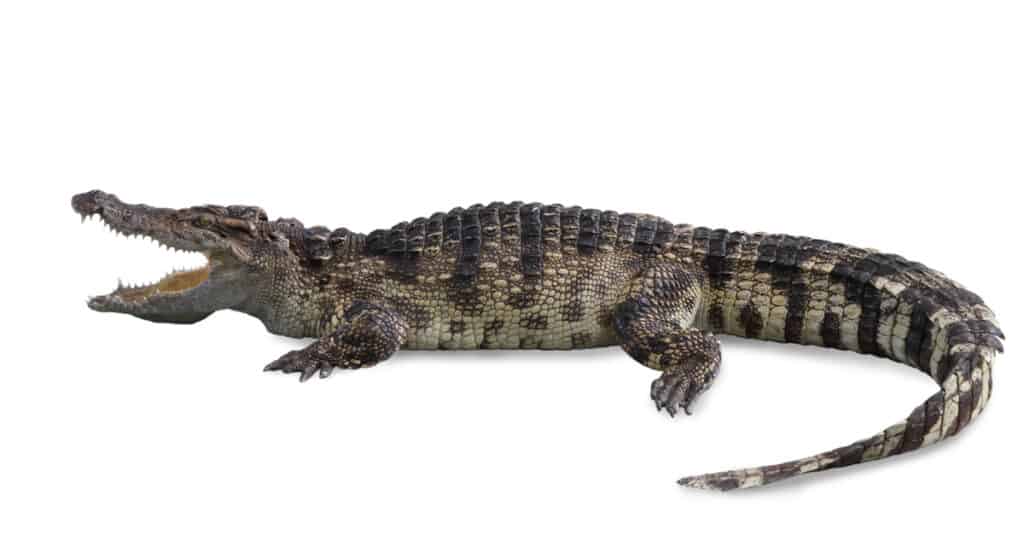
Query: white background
point(890, 124)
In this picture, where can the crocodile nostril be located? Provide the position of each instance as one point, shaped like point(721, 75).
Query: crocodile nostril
point(86, 203)
point(93, 202)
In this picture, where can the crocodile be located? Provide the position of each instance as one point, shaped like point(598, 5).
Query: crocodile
point(544, 276)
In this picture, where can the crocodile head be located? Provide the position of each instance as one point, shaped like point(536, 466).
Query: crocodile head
point(239, 244)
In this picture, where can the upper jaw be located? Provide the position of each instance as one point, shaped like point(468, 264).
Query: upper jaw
point(135, 220)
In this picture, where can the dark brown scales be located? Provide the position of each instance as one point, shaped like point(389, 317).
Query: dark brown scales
point(529, 275)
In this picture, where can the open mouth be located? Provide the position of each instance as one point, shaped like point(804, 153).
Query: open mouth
point(176, 283)
point(210, 241)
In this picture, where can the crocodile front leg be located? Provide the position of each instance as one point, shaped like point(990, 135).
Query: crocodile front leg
point(368, 334)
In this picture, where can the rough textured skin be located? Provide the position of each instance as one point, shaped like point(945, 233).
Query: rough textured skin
point(535, 276)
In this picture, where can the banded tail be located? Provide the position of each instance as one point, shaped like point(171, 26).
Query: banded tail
point(855, 299)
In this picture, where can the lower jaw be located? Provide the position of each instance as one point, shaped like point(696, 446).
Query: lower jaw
point(176, 284)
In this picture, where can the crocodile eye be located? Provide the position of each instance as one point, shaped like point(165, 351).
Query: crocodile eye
point(204, 220)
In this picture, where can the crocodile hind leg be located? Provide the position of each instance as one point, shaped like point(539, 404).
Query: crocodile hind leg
point(656, 327)
point(368, 334)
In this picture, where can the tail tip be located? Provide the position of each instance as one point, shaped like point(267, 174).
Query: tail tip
point(715, 482)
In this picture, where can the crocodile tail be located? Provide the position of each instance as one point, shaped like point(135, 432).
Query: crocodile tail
point(965, 343)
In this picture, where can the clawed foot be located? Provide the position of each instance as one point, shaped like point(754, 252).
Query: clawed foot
point(304, 362)
point(676, 389)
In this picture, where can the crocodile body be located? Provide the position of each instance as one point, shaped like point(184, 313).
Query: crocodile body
point(533, 276)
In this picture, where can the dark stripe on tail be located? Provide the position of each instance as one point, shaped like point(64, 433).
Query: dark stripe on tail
point(971, 341)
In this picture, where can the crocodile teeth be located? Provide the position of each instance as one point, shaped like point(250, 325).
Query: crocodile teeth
point(152, 258)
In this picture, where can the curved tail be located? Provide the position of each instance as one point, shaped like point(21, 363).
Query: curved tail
point(963, 344)
point(801, 290)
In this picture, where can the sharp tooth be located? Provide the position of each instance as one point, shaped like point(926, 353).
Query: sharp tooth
point(83, 218)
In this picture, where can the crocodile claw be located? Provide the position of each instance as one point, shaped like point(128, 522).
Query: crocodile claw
point(304, 362)
point(676, 390)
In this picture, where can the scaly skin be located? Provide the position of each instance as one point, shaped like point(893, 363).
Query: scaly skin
point(537, 276)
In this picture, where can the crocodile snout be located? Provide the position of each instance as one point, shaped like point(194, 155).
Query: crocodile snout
point(91, 202)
